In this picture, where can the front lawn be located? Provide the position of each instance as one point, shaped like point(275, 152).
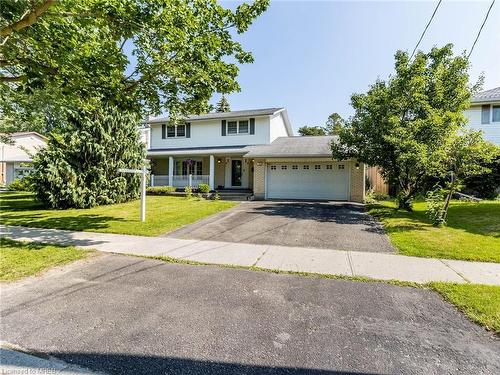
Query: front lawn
point(163, 214)
point(19, 259)
point(481, 303)
point(472, 232)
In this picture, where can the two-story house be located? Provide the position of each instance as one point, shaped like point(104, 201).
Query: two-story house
point(484, 114)
point(253, 150)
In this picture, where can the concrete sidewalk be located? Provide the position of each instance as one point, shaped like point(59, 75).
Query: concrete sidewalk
point(321, 261)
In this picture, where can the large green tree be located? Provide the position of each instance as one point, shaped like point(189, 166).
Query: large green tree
point(404, 124)
point(79, 167)
point(75, 53)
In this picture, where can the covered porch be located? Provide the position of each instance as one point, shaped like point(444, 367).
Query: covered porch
point(219, 171)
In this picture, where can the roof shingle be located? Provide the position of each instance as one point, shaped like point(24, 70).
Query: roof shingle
point(488, 95)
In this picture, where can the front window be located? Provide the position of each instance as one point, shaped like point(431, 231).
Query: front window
point(181, 130)
point(238, 127)
point(496, 113)
point(187, 167)
point(174, 131)
point(232, 127)
point(243, 127)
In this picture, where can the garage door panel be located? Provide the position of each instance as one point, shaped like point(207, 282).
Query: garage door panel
point(286, 182)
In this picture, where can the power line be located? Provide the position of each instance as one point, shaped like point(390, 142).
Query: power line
point(426, 27)
point(481, 28)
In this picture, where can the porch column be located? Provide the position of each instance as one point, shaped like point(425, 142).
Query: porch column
point(170, 171)
point(211, 174)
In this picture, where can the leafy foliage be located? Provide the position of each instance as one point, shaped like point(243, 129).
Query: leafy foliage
point(79, 168)
point(311, 130)
point(435, 206)
point(466, 156)
point(487, 184)
point(223, 105)
point(160, 190)
point(333, 125)
point(20, 184)
point(73, 53)
point(404, 124)
point(203, 188)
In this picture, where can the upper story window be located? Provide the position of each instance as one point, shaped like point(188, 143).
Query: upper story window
point(237, 127)
point(496, 113)
point(490, 113)
point(175, 131)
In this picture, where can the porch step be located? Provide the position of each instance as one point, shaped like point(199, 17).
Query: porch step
point(235, 195)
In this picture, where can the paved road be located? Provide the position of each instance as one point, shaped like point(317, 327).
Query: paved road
point(126, 315)
point(325, 225)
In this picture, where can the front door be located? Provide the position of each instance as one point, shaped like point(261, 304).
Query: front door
point(236, 172)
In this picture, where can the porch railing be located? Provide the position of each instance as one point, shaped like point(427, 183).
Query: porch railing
point(179, 180)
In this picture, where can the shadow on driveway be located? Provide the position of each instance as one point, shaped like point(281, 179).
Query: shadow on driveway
point(326, 225)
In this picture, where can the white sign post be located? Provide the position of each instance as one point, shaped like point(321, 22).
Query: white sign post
point(143, 171)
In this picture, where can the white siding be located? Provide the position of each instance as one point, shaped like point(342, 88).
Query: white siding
point(25, 145)
point(208, 134)
point(491, 131)
point(278, 128)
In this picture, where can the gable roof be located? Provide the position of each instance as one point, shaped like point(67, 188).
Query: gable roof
point(487, 96)
point(223, 115)
point(298, 146)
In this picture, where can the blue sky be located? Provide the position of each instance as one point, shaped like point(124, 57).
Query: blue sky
point(311, 56)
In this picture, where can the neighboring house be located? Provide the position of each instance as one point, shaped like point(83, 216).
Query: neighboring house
point(484, 114)
point(252, 150)
point(16, 158)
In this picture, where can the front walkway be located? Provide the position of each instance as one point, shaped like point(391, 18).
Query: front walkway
point(283, 258)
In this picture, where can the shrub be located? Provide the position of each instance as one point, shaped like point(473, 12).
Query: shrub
point(485, 185)
point(79, 167)
point(189, 192)
point(435, 206)
point(203, 188)
point(20, 184)
point(160, 190)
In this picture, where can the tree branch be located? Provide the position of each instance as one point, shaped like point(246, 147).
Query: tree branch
point(28, 18)
point(11, 79)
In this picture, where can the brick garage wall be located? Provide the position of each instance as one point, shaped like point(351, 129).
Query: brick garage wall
point(357, 182)
point(259, 175)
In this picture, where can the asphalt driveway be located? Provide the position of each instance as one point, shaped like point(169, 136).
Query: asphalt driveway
point(126, 315)
point(325, 225)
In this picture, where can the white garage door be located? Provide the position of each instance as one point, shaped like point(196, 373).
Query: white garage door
point(328, 181)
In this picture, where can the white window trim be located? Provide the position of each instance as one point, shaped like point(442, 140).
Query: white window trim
point(238, 127)
point(176, 136)
point(491, 114)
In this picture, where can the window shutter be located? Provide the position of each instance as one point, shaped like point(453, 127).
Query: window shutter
point(164, 131)
point(223, 128)
point(252, 126)
point(485, 114)
point(188, 130)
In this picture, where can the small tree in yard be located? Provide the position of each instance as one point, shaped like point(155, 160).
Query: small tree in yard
point(78, 168)
point(404, 124)
point(465, 157)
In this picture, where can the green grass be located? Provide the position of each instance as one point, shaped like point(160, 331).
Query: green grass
point(481, 303)
point(472, 232)
point(163, 214)
point(19, 259)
